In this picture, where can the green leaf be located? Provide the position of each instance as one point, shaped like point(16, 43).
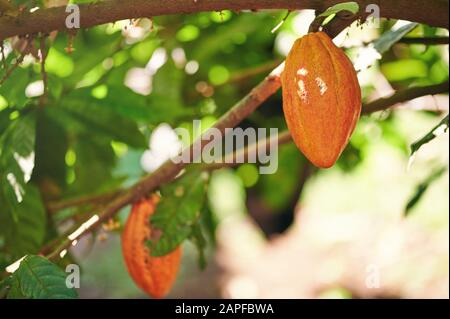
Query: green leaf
point(439, 129)
point(178, 212)
point(422, 188)
point(94, 161)
point(38, 278)
point(128, 103)
point(91, 49)
point(59, 63)
point(352, 7)
point(199, 241)
point(152, 109)
point(209, 223)
point(388, 39)
point(18, 138)
point(4, 119)
point(4, 287)
point(211, 44)
point(167, 83)
point(405, 69)
point(17, 157)
point(290, 165)
point(13, 89)
point(51, 148)
point(92, 118)
point(23, 224)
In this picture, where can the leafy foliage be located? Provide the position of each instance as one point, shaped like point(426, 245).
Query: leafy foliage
point(178, 213)
point(38, 278)
point(439, 129)
point(290, 166)
point(352, 7)
point(23, 231)
point(331, 12)
point(388, 39)
point(422, 188)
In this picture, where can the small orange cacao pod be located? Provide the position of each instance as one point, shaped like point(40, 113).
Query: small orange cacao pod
point(321, 98)
point(154, 275)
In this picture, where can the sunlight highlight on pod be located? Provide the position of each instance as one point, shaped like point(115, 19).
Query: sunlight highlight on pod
point(302, 72)
point(322, 85)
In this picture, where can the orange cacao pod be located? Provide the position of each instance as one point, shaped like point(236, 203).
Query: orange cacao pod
point(321, 98)
point(154, 275)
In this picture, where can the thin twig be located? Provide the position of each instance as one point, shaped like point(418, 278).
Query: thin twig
point(17, 63)
point(245, 74)
point(405, 95)
point(82, 200)
point(281, 22)
point(425, 40)
point(43, 49)
point(2, 47)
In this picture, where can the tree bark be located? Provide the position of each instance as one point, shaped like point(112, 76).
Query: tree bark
point(431, 12)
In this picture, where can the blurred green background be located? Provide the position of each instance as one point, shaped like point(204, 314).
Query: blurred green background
point(115, 92)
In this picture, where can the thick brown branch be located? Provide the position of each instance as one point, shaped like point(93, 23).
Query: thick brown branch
point(431, 12)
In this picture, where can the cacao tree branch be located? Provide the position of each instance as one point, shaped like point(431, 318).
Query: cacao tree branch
point(249, 73)
point(425, 40)
point(228, 160)
point(55, 206)
point(403, 96)
point(18, 62)
point(431, 12)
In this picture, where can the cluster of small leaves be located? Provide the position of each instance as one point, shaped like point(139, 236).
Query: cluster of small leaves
point(179, 213)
